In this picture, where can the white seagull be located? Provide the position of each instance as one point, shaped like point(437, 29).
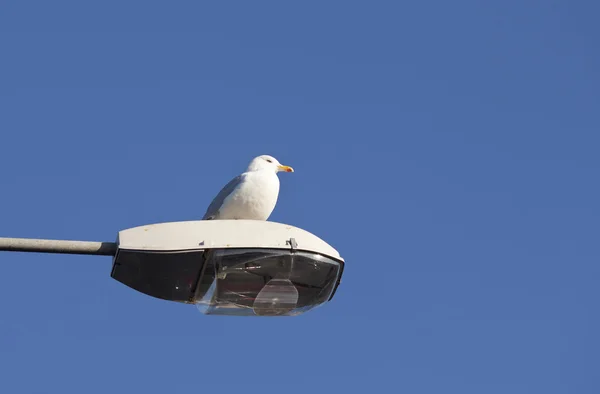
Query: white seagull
point(251, 195)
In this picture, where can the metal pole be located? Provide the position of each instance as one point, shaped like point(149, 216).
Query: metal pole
point(57, 246)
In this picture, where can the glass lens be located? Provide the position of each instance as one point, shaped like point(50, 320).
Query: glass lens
point(265, 282)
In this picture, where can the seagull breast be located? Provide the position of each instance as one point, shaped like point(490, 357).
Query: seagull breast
point(254, 198)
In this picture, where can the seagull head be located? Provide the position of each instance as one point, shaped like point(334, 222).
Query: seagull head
point(266, 162)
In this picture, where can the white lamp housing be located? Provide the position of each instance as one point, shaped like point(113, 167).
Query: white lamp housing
point(230, 267)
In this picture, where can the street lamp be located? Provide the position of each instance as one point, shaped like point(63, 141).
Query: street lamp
point(224, 267)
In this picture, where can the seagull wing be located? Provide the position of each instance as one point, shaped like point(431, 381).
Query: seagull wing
point(213, 209)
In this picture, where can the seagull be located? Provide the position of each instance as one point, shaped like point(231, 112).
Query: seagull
point(251, 195)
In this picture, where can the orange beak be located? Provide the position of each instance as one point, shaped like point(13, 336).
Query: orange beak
point(285, 168)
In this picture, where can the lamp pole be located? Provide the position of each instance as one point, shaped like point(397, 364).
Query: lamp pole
point(57, 246)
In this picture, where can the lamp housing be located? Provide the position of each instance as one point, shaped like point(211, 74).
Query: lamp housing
point(229, 267)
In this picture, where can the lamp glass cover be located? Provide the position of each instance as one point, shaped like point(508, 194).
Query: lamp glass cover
point(265, 282)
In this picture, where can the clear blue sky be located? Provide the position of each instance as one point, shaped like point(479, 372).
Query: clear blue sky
point(447, 149)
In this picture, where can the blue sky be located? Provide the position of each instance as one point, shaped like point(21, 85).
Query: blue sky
point(448, 150)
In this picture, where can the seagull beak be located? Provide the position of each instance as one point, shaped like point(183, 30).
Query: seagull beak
point(285, 168)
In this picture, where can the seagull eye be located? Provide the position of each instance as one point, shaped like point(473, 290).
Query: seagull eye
point(270, 161)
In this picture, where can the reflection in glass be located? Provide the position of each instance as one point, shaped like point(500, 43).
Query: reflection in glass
point(278, 297)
